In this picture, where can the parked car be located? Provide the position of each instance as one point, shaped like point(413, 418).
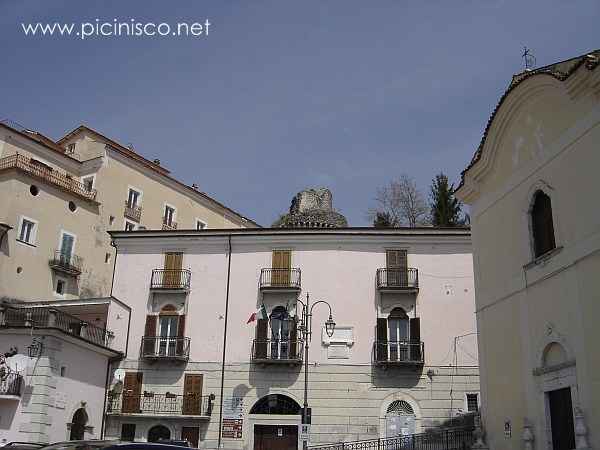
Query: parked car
point(177, 442)
point(111, 445)
point(23, 446)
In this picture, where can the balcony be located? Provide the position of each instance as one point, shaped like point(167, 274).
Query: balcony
point(401, 353)
point(166, 348)
point(58, 179)
point(133, 212)
point(398, 280)
point(10, 386)
point(166, 225)
point(53, 318)
point(275, 351)
point(66, 263)
point(280, 279)
point(150, 404)
point(177, 280)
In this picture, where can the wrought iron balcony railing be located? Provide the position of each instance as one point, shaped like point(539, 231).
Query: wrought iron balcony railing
point(171, 279)
point(277, 351)
point(11, 384)
point(173, 348)
point(166, 225)
point(66, 263)
point(53, 318)
point(47, 174)
point(398, 279)
point(165, 404)
point(280, 279)
point(133, 212)
point(399, 352)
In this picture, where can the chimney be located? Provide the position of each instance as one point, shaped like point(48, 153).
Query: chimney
point(157, 162)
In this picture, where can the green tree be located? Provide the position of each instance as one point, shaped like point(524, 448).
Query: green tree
point(445, 207)
point(383, 220)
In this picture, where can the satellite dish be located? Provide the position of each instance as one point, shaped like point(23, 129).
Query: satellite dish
point(119, 374)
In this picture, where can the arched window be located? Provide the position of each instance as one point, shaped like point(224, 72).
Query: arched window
point(158, 433)
point(542, 226)
point(398, 338)
point(276, 404)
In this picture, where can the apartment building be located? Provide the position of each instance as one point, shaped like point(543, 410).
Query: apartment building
point(402, 357)
point(54, 361)
point(532, 186)
point(58, 199)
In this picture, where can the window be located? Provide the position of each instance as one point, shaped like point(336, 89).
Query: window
point(71, 148)
point(201, 225)
point(63, 371)
point(169, 217)
point(398, 336)
point(133, 198)
point(129, 226)
point(67, 244)
point(60, 287)
point(27, 231)
point(128, 432)
point(88, 183)
point(472, 402)
point(542, 226)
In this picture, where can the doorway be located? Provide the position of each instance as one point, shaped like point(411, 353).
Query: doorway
point(399, 419)
point(275, 437)
point(191, 434)
point(78, 423)
point(158, 432)
point(561, 419)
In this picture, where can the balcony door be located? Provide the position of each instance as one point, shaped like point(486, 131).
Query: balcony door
point(133, 198)
point(397, 267)
point(398, 335)
point(167, 332)
point(281, 268)
point(280, 333)
point(172, 275)
point(132, 391)
point(67, 243)
point(192, 395)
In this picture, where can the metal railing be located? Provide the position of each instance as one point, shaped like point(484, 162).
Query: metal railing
point(178, 279)
point(65, 262)
point(156, 347)
point(165, 404)
point(48, 317)
point(168, 225)
point(133, 212)
point(48, 174)
point(280, 278)
point(399, 352)
point(277, 350)
point(11, 385)
point(434, 439)
point(398, 278)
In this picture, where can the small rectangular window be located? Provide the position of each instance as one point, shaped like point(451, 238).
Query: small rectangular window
point(128, 432)
point(200, 225)
point(71, 148)
point(106, 258)
point(63, 371)
point(27, 231)
point(60, 287)
point(169, 217)
point(88, 183)
point(133, 198)
point(472, 402)
point(129, 226)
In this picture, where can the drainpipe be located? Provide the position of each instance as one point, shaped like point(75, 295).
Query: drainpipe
point(224, 340)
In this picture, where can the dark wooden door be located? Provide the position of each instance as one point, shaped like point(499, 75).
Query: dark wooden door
point(191, 434)
point(132, 391)
point(561, 417)
point(275, 437)
point(397, 265)
point(192, 395)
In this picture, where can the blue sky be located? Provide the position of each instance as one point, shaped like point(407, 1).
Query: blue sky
point(283, 95)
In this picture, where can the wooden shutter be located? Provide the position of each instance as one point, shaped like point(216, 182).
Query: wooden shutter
point(282, 259)
point(293, 339)
point(381, 350)
point(173, 265)
point(260, 343)
point(132, 392)
point(397, 265)
point(180, 335)
point(192, 394)
point(415, 339)
point(149, 347)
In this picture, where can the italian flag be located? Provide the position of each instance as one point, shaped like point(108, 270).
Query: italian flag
point(260, 314)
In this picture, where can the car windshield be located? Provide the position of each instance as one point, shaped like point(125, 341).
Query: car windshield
point(80, 445)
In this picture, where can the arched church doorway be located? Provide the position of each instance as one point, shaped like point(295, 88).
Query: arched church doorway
point(399, 419)
point(282, 436)
point(78, 423)
point(158, 432)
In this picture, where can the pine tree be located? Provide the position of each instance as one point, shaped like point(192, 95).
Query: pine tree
point(445, 207)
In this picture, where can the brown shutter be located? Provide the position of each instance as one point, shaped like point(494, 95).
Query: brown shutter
point(381, 350)
point(173, 265)
point(180, 336)
point(282, 259)
point(397, 265)
point(293, 340)
point(132, 391)
point(415, 339)
point(149, 347)
point(260, 344)
point(192, 394)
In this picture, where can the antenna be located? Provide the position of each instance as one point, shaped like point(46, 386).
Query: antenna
point(528, 58)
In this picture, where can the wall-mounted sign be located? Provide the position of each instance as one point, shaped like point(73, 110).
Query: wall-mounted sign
point(232, 428)
point(304, 431)
point(233, 408)
point(507, 430)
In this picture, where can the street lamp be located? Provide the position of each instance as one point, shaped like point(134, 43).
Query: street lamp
point(306, 329)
